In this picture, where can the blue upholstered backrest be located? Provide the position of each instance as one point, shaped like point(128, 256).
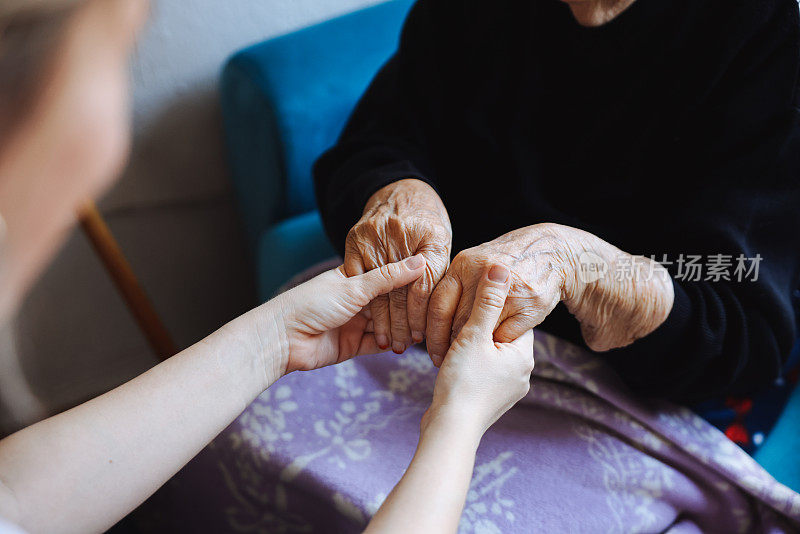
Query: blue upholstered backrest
point(286, 100)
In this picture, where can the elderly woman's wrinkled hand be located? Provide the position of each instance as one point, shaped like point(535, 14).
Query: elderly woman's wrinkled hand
point(550, 263)
point(538, 267)
point(401, 219)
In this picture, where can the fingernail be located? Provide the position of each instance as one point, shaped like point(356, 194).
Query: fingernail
point(499, 274)
point(415, 262)
point(398, 347)
point(417, 337)
point(382, 341)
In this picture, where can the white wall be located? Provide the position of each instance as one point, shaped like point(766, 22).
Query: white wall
point(188, 40)
point(178, 153)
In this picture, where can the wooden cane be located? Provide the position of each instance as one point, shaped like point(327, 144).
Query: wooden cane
point(124, 278)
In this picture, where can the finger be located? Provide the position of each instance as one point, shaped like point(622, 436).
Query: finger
point(384, 279)
point(463, 311)
point(419, 295)
point(444, 300)
point(401, 334)
point(379, 307)
point(374, 285)
point(490, 298)
point(513, 327)
point(381, 319)
point(353, 264)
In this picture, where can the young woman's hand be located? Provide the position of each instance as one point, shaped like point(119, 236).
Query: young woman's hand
point(481, 379)
point(319, 322)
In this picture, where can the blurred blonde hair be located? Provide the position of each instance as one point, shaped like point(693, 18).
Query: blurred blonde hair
point(30, 32)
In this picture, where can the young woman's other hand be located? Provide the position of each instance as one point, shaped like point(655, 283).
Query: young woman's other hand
point(481, 379)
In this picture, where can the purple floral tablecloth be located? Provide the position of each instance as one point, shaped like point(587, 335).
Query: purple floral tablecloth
point(319, 452)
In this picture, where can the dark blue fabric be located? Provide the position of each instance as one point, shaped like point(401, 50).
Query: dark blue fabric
point(749, 421)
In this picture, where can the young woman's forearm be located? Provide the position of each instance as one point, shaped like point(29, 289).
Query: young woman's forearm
point(83, 470)
point(430, 496)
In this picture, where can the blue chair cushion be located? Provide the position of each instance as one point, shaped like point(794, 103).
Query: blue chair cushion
point(287, 249)
point(286, 100)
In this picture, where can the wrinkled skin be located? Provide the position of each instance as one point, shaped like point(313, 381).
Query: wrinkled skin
point(614, 311)
point(538, 273)
point(545, 261)
point(400, 220)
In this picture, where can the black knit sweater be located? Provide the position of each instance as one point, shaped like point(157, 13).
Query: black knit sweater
point(672, 130)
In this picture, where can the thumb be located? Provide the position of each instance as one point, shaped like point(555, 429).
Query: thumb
point(388, 277)
point(490, 298)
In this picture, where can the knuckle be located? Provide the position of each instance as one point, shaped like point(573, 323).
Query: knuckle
point(437, 247)
point(491, 297)
point(395, 225)
point(351, 248)
point(527, 318)
point(418, 296)
point(462, 257)
point(424, 285)
point(356, 234)
point(366, 231)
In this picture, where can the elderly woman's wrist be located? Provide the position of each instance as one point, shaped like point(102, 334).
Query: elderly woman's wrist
point(617, 297)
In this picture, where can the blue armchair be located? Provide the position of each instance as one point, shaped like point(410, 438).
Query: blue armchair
point(284, 103)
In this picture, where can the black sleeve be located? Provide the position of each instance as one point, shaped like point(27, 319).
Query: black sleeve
point(385, 138)
point(738, 168)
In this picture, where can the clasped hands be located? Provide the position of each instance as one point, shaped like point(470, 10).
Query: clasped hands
point(397, 285)
point(320, 323)
point(548, 264)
